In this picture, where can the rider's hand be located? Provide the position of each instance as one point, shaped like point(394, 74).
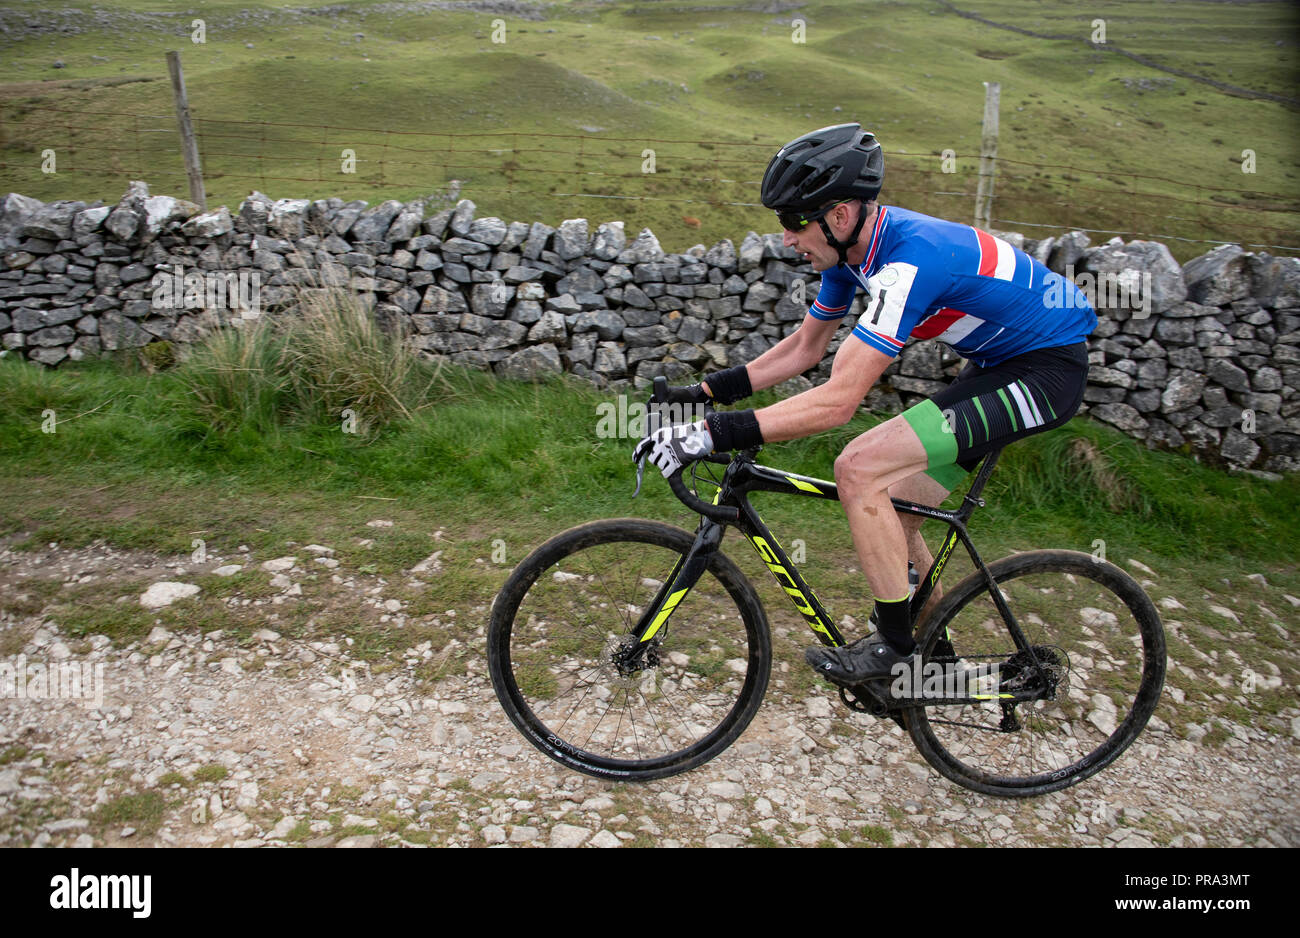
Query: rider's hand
point(671, 448)
point(690, 394)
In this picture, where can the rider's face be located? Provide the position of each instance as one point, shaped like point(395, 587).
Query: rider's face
point(810, 241)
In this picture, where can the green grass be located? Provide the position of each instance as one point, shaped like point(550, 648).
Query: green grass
point(214, 772)
point(522, 459)
point(143, 811)
point(553, 122)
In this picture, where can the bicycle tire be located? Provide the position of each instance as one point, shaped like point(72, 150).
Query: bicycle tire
point(552, 637)
point(1093, 663)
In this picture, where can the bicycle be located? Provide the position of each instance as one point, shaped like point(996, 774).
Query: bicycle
point(631, 649)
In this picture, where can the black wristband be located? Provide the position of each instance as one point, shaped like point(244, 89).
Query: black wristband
point(730, 385)
point(734, 429)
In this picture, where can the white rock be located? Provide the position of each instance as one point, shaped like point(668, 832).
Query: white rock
point(818, 706)
point(279, 564)
point(1098, 617)
point(1225, 612)
point(209, 225)
point(363, 841)
point(430, 564)
point(605, 839)
point(569, 835)
point(726, 790)
point(229, 569)
point(164, 594)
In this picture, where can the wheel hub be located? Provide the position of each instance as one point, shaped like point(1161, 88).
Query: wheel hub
point(624, 659)
point(1040, 669)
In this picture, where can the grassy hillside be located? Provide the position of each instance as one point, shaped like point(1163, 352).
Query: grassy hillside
point(555, 120)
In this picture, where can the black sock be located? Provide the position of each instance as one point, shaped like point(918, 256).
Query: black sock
point(895, 624)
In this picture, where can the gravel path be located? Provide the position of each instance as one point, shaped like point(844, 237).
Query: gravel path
point(201, 740)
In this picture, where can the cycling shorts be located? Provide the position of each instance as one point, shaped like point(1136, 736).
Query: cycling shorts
point(986, 408)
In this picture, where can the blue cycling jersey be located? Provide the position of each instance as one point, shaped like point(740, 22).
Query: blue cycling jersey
point(934, 279)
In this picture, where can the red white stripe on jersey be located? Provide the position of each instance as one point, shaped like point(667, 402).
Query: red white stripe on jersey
point(947, 325)
point(997, 258)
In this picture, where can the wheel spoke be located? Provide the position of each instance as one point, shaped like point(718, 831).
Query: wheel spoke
point(1093, 633)
point(566, 665)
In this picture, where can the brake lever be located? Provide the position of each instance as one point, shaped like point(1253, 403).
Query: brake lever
point(640, 470)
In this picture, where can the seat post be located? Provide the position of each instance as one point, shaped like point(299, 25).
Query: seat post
point(972, 499)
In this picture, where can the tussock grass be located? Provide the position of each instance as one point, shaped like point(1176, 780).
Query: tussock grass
point(339, 360)
point(238, 377)
point(324, 363)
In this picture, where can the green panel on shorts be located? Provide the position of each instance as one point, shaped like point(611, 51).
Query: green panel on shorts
point(949, 476)
point(938, 438)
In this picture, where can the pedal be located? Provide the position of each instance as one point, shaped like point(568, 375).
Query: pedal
point(860, 698)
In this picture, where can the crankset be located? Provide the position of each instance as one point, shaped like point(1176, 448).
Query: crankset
point(863, 698)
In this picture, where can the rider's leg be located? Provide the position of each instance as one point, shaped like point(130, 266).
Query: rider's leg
point(944, 437)
point(925, 490)
point(868, 467)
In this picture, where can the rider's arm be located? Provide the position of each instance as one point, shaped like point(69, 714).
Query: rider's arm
point(856, 369)
point(793, 355)
point(800, 350)
point(899, 294)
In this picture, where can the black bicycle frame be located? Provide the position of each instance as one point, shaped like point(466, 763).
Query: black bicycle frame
point(743, 476)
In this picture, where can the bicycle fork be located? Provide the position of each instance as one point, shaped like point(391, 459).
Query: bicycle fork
point(685, 574)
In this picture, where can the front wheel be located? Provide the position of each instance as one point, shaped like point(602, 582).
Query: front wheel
point(560, 643)
point(1053, 715)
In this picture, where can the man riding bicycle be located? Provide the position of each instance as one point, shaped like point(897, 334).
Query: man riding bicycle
point(1021, 328)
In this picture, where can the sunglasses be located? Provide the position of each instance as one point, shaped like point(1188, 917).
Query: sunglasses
point(796, 221)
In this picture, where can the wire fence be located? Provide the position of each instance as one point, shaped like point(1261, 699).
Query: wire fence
point(86, 154)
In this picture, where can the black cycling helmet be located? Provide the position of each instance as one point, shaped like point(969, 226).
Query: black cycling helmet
point(834, 164)
point(828, 165)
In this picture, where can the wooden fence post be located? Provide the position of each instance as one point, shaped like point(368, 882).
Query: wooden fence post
point(189, 146)
point(988, 156)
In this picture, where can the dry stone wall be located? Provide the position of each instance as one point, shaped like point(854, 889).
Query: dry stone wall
point(1202, 357)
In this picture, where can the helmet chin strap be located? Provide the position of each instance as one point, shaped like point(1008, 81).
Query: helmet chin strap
point(843, 246)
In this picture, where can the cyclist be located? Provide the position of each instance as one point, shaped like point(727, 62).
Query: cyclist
point(1020, 327)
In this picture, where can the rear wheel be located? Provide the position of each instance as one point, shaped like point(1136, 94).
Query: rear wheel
point(1095, 669)
point(566, 667)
